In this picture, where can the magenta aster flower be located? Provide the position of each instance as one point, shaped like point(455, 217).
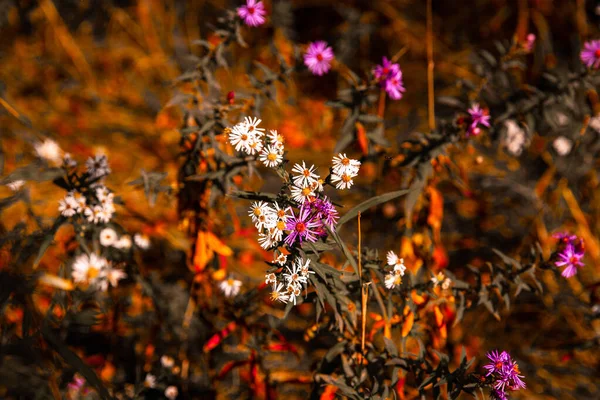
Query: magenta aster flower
point(394, 86)
point(325, 211)
point(302, 227)
point(479, 116)
point(529, 42)
point(590, 55)
point(385, 70)
point(497, 362)
point(570, 258)
point(318, 57)
point(253, 13)
point(505, 374)
point(498, 395)
point(564, 237)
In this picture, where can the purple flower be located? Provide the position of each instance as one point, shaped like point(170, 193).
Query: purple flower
point(570, 258)
point(530, 41)
point(497, 361)
point(478, 116)
point(590, 55)
point(318, 57)
point(302, 227)
point(325, 211)
point(394, 86)
point(385, 70)
point(505, 374)
point(253, 13)
point(498, 395)
point(564, 237)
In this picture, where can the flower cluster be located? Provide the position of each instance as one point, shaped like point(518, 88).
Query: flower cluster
point(505, 374)
point(290, 287)
point(96, 271)
point(389, 76)
point(394, 277)
point(344, 170)
point(318, 57)
point(249, 138)
point(478, 116)
point(570, 253)
point(96, 208)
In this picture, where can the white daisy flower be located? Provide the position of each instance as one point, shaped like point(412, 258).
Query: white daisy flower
point(301, 194)
point(280, 258)
point(562, 145)
point(294, 275)
point(167, 361)
point(141, 241)
point(293, 291)
point(171, 392)
point(113, 276)
point(392, 279)
point(231, 287)
point(276, 140)
point(150, 381)
point(108, 237)
point(102, 192)
point(49, 151)
point(345, 165)
point(396, 262)
point(263, 215)
point(446, 284)
point(265, 241)
point(94, 214)
point(303, 267)
point(317, 186)
point(344, 180)
point(278, 293)
point(97, 166)
point(437, 279)
point(80, 200)
point(270, 156)
point(15, 185)
point(282, 214)
point(254, 147)
point(276, 231)
point(252, 126)
point(306, 175)
point(239, 136)
point(123, 243)
point(68, 206)
point(270, 278)
point(88, 268)
point(257, 209)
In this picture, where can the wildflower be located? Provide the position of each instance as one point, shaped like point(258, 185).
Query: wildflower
point(280, 212)
point(345, 165)
point(48, 150)
point(498, 395)
point(385, 70)
point(275, 139)
point(294, 276)
point(306, 175)
point(123, 243)
point(570, 258)
point(68, 161)
point(263, 215)
point(97, 166)
point(108, 237)
point(112, 276)
point(393, 279)
point(446, 284)
point(252, 126)
point(231, 287)
point(278, 294)
point(497, 362)
point(255, 146)
point(317, 186)
point(301, 227)
point(80, 200)
point(271, 156)
point(270, 278)
point(318, 57)
point(590, 55)
point(514, 138)
point(293, 291)
point(15, 185)
point(266, 241)
point(324, 210)
point(394, 86)
point(562, 145)
point(529, 42)
point(505, 373)
point(344, 180)
point(280, 259)
point(564, 237)
point(167, 361)
point(150, 381)
point(253, 13)
point(478, 117)
point(303, 267)
point(397, 263)
point(172, 392)
point(88, 268)
point(68, 206)
point(141, 241)
point(301, 194)
point(437, 279)
point(240, 138)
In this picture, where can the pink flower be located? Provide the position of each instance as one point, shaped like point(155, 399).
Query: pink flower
point(253, 13)
point(302, 227)
point(570, 258)
point(394, 86)
point(385, 70)
point(590, 55)
point(318, 57)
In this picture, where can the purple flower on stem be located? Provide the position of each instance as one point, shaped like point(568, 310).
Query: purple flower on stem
point(302, 227)
point(497, 361)
point(394, 86)
point(385, 70)
point(478, 117)
point(325, 211)
point(318, 57)
point(498, 395)
point(570, 258)
point(505, 374)
point(590, 55)
point(253, 13)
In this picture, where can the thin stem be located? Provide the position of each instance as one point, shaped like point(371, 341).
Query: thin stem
point(430, 66)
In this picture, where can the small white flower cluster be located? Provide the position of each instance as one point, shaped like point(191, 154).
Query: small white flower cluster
point(270, 221)
point(515, 138)
point(15, 185)
point(344, 170)
point(562, 145)
point(96, 271)
point(231, 287)
point(394, 277)
point(110, 238)
point(97, 167)
point(249, 138)
point(440, 278)
point(48, 150)
point(306, 183)
point(76, 203)
point(291, 288)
